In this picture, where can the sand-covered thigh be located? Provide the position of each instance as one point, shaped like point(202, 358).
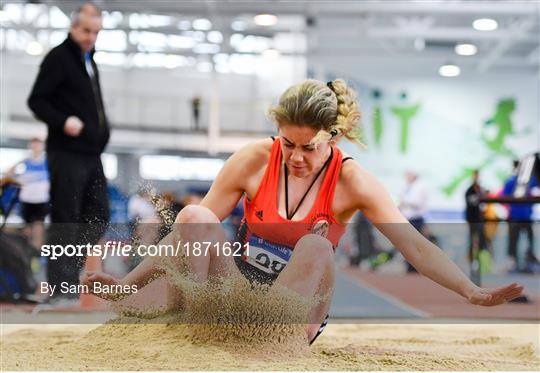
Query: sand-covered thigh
point(161, 346)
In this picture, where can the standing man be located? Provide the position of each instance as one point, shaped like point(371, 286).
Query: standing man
point(67, 97)
point(414, 201)
point(414, 204)
point(195, 111)
point(474, 216)
point(520, 220)
point(475, 219)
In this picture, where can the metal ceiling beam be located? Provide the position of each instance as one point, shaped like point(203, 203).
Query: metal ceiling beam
point(335, 7)
point(173, 30)
point(345, 8)
point(516, 30)
point(447, 34)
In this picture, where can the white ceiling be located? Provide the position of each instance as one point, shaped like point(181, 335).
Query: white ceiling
point(370, 35)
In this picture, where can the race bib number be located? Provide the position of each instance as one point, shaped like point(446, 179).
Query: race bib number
point(267, 256)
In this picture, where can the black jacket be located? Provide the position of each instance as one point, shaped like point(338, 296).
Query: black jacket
point(473, 214)
point(62, 89)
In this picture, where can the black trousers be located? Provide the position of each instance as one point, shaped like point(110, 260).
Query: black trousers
point(515, 228)
point(79, 209)
point(477, 239)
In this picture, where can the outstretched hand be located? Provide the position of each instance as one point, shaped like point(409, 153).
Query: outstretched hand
point(495, 296)
point(90, 277)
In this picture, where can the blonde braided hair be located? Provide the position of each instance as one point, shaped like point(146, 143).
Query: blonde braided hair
point(329, 108)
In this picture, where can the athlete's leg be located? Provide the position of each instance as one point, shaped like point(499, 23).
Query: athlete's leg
point(202, 238)
point(310, 272)
point(193, 224)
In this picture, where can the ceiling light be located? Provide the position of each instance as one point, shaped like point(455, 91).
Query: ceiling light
point(202, 24)
point(34, 48)
point(485, 24)
point(172, 61)
point(221, 58)
point(206, 48)
point(180, 41)
point(265, 19)
point(238, 25)
point(449, 70)
point(215, 37)
point(184, 25)
point(111, 59)
point(271, 53)
point(465, 49)
point(58, 19)
point(198, 36)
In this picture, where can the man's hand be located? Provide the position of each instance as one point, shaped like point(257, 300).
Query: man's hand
point(495, 296)
point(73, 126)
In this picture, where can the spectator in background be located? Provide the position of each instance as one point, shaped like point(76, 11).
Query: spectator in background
point(143, 217)
point(172, 204)
point(413, 201)
point(67, 97)
point(34, 194)
point(140, 207)
point(170, 209)
point(520, 220)
point(191, 199)
point(413, 204)
point(474, 217)
point(195, 112)
point(491, 221)
point(365, 240)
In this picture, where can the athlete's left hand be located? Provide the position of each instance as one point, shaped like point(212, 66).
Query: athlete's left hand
point(495, 296)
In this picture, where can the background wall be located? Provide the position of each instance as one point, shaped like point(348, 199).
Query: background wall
point(454, 126)
point(391, 53)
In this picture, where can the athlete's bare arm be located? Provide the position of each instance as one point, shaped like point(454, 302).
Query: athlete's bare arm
point(372, 199)
point(241, 173)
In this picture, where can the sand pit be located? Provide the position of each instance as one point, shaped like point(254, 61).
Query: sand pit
point(232, 325)
point(145, 346)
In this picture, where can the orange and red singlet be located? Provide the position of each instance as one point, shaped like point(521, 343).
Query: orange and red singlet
point(272, 237)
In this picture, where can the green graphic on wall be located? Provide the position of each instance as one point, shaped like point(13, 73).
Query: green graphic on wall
point(496, 147)
point(405, 114)
point(464, 175)
point(377, 118)
point(502, 121)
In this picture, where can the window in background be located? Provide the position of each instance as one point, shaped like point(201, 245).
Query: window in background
point(110, 165)
point(164, 167)
point(10, 156)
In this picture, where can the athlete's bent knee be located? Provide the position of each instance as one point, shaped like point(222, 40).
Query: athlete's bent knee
point(313, 243)
point(196, 214)
point(315, 251)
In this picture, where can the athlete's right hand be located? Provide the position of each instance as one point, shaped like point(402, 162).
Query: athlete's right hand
point(89, 278)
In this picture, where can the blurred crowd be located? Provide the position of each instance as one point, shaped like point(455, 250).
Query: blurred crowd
point(513, 223)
